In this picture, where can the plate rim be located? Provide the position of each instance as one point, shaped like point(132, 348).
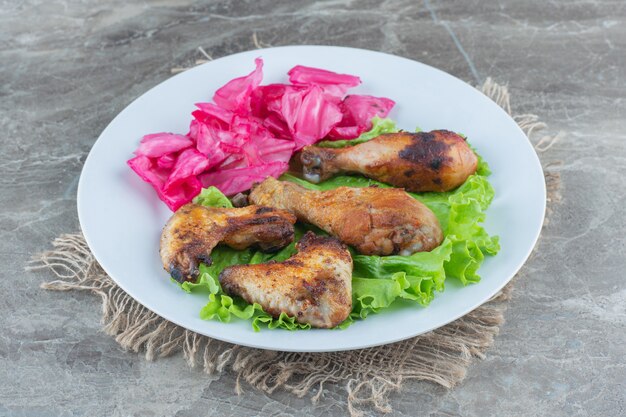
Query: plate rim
point(250, 342)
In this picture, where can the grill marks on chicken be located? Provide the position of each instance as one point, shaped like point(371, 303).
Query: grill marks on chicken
point(314, 286)
point(193, 231)
point(426, 161)
point(376, 221)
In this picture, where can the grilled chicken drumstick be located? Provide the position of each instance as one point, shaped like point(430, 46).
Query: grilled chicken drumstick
point(193, 231)
point(376, 221)
point(314, 286)
point(427, 161)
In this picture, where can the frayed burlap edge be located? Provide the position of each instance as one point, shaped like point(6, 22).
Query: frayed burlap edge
point(368, 375)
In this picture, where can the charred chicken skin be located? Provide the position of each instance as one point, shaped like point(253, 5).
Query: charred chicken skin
point(375, 221)
point(314, 286)
point(426, 161)
point(193, 231)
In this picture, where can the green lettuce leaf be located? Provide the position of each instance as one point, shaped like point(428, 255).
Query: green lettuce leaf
point(370, 295)
point(212, 197)
point(223, 308)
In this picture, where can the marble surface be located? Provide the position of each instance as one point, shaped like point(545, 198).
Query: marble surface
point(68, 67)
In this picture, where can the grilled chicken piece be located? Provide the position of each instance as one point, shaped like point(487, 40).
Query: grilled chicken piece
point(376, 221)
point(193, 231)
point(314, 285)
point(427, 161)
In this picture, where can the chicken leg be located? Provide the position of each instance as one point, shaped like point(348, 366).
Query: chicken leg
point(193, 231)
point(427, 161)
point(375, 221)
point(314, 285)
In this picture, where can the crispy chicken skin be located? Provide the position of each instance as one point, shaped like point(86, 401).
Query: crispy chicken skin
point(426, 161)
point(314, 285)
point(375, 221)
point(193, 231)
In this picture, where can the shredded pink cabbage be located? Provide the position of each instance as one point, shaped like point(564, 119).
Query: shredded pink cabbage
point(174, 197)
point(189, 163)
point(251, 131)
point(207, 141)
point(333, 84)
point(357, 114)
point(315, 117)
point(235, 94)
point(233, 181)
point(167, 161)
point(159, 144)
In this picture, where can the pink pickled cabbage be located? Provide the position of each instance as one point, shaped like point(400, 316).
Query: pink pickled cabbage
point(357, 114)
point(189, 163)
point(235, 95)
point(159, 144)
point(333, 84)
point(311, 116)
point(176, 196)
point(250, 131)
point(233, 181)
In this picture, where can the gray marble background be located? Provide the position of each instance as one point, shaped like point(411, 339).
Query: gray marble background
point(68, 67)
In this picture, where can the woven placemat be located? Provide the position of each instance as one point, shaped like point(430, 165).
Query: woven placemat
point(368, 375)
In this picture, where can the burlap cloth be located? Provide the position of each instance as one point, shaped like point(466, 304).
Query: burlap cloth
point(368, 375)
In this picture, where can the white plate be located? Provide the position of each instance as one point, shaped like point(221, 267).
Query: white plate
point(122, 217)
